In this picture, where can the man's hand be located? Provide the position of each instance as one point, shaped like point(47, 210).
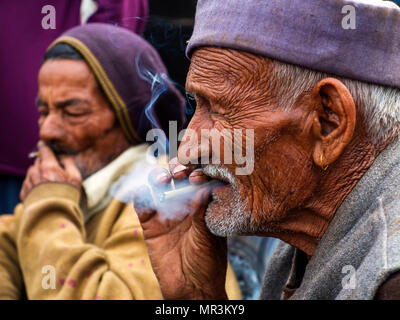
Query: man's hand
point(48, 169)
point(189, 261)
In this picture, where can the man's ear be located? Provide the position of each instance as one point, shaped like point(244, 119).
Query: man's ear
point(334, 120)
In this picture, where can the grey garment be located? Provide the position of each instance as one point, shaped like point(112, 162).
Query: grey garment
point(361, 247)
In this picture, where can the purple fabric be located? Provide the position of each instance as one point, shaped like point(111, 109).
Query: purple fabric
point(23, 44)
point(307, 33)
point(128, 14)
point(134, 68)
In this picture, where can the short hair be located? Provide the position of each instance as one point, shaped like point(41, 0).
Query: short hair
point(63, 51)
point(377, 105)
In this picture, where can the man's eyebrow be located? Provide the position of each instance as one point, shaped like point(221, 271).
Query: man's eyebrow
point(196, 90)
point(70, 102)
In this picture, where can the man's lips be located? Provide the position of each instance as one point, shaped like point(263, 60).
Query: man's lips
point(59, 151)
point(219, 184)
point(221, 187)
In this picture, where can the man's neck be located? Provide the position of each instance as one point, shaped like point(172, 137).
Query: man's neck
point(305, 226)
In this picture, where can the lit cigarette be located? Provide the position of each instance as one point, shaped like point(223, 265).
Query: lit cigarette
point(184, 191)
point(33, 155)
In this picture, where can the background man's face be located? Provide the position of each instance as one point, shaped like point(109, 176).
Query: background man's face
point(233, 91)
point(75, 117)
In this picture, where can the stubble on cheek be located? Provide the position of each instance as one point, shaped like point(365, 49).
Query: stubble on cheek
point(88, 162)
point(98, 147)
point(288, 184)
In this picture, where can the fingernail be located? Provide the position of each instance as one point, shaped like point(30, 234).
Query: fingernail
point(196, 173)
point(161, 177)
point(179, 168)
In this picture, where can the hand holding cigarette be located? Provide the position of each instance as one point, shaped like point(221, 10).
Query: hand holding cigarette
point(182, 242)
point(48, 168)
point(195, 177)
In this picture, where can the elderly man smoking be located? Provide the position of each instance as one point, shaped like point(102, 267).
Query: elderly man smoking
point(324, 103)
point(70, 239)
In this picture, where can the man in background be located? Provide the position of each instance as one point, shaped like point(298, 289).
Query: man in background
point(27, 29)
point(92, 129)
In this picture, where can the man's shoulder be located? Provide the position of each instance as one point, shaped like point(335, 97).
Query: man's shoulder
point(117, 216)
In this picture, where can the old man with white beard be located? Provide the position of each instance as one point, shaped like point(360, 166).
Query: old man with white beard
point(319, 86)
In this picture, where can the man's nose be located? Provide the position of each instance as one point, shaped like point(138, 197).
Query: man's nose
point(195, 147)
point(51, 128)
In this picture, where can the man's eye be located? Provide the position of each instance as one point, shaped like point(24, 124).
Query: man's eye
point(70, 114)
point(43, 112)
point(191, 104)
point(74, 113)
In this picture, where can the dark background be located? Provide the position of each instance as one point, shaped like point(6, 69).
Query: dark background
point(169, 27)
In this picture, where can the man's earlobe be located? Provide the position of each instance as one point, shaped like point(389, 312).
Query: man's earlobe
point(334, 120)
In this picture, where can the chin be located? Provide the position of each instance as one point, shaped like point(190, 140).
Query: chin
point(85, 169)
point(85, 173)
point(226, 214)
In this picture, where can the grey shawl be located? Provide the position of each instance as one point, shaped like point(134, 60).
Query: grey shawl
point(361, 246)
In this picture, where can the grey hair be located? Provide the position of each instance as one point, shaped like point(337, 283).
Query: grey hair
point(378, 106)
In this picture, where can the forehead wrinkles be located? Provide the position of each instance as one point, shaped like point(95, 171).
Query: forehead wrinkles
point(229, 74)
point(67, 74)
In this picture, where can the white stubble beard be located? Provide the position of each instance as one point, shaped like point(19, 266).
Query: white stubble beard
point(227, 219)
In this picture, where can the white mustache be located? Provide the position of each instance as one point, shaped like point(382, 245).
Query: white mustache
point(221, 173)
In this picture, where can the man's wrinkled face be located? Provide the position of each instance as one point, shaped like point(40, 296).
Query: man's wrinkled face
point(75, 117)
point(233, 90)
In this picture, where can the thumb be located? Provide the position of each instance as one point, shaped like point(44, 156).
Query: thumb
point(199, 205)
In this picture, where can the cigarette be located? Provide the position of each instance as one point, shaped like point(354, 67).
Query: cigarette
point(33, 155)
point(169, 195)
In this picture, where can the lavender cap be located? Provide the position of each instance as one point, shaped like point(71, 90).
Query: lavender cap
point(308, 33)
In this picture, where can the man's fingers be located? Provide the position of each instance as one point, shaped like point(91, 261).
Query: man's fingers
point(180, 171)
point(172, 164)
point(197, 176)
point(33, 178)
point(71, 170)
point(45, 153)
point(199, 205)
point(159, 180)
point(159, 177)
point(33, 173)
point(49, 165)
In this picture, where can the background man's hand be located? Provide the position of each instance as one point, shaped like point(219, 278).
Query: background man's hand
point(189, 261)
point(48, 169)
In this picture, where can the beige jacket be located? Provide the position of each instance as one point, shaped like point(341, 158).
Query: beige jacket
point(61, 245)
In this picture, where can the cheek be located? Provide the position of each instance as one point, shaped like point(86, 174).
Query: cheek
point(284, 179)
point(87, 133)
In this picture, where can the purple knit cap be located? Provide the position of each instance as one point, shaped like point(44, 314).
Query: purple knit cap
point(310, 33)
point(132, 76)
